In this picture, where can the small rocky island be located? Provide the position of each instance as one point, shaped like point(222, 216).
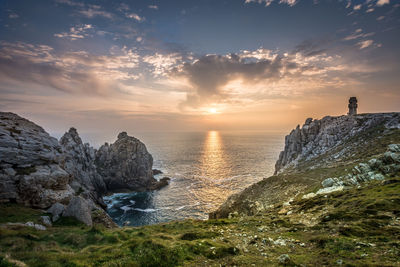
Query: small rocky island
point(68, 177)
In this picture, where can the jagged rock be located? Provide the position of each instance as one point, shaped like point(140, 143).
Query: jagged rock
point(125, 165)
point(80, 163)
point(30, 160)
point(79, 208)
point(38, 171)
point(56, 211)
point(317, 137)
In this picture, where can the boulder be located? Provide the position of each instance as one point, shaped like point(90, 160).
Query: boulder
point(328, 182)
point(46, 220)
point(79, 208)
point(56, 211)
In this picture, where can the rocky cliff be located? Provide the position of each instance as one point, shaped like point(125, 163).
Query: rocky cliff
point(317, 137)
point(79, 162)
point(31, 164)
point(38, 171)
point(125, 165)
point(323, 156)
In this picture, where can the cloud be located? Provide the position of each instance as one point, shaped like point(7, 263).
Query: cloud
point(135, 17)
point(76, 32)
point(70, 3)
point(162, 64)
point(367, 43)
point(153, 7)
point(95, 11)
point(382, 2)
point(75, 72)
point(269, 2)
point(87, 10)
point(208, 75)
point(358, 34)
point(292, 3)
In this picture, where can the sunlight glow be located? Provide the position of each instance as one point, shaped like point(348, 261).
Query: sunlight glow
point(213, 111)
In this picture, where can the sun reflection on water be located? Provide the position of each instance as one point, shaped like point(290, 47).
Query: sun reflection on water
point(214, 168)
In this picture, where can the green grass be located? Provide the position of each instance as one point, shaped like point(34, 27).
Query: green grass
point(357, 226)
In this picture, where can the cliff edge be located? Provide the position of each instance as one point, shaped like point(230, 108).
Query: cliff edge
point(335, 151)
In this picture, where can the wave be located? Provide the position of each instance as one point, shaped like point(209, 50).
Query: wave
point(145, 210)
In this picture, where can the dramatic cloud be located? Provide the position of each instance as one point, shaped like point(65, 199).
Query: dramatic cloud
point(72, 72)
point(213, 77)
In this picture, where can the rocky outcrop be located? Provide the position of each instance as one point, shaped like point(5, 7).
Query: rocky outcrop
point(335, 152)
point(316, 137)
point(379, 168)
point(126, 165)
point(38, 171)
point(30, 164)
point(80, 163)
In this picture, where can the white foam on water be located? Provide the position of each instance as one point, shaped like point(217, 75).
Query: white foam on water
point(145, 210)
point(125, 208)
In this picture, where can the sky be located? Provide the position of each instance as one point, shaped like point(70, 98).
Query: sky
point(195, 65)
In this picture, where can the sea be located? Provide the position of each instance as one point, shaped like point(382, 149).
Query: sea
point(205, 169)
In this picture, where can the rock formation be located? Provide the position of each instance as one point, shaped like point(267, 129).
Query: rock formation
point(125, 165)
point(31, 160)
point(316, 137)
point(38, 171)
point(79, 162)
point(335, 152)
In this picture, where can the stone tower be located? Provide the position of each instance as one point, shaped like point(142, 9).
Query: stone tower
point(352, 106)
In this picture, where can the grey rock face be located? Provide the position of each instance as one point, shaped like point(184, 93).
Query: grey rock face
point(30, 160)
point(79, 208)
point(56, 211)
point(319, 136)
point(80, 163)
point(125, 165)
point(375, 169)
point(38, 171)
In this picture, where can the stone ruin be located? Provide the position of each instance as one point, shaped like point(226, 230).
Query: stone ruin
point(352, 106)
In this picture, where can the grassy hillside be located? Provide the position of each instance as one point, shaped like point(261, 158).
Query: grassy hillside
point(307, 176)
point(357, 227)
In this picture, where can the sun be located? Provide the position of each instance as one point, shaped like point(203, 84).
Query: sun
point(213, 111)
